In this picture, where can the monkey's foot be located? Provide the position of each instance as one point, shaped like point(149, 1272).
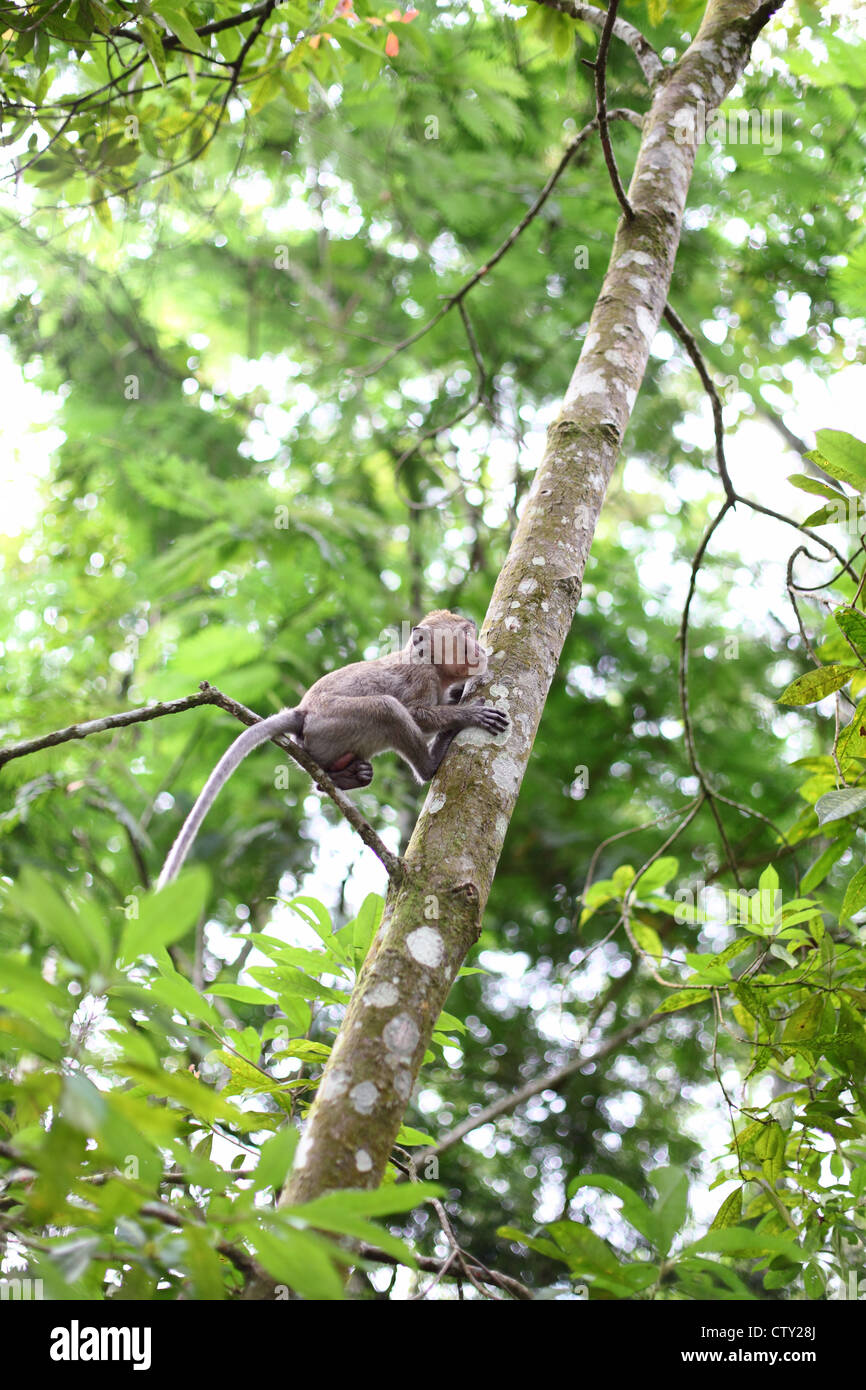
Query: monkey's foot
point(493, 720)
point(348, 773)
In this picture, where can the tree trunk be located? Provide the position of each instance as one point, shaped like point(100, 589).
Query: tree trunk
point(434, 917)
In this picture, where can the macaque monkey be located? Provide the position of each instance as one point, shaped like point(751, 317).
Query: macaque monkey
point(394, 702)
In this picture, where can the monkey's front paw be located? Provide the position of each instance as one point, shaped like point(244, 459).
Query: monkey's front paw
point(355, 774)
point(491, 719)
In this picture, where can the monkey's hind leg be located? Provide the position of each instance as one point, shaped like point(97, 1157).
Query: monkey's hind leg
point(349, 773)
point(367, 725)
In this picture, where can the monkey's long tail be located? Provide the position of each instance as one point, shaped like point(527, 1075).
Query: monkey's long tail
point(288, 721)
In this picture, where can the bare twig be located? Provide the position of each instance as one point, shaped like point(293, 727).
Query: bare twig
point(651, 64)
point(431, 1265)
point(550, 1081)
point(453, 299)
point(600, 66)
point(207, 696)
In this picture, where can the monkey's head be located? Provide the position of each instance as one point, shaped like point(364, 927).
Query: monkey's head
point(450, 643)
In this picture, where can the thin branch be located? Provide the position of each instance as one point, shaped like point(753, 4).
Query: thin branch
point(600, 66)
point(207, 696)
point(732, 498)
point(690, 344)
point(620, 114)
point(482, 397)
point(550, 1081)
point(433, 1266)
point(621, 835)
point(216, 27)
point(629, 895)
point(464, 1260)
point(651, 64)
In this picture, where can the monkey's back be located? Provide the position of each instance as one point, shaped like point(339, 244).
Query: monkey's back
point(411, 682)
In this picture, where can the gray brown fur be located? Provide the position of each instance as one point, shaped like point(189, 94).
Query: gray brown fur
point(349, 716)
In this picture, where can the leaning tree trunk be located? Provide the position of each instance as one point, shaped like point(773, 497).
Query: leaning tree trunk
point(434, 916)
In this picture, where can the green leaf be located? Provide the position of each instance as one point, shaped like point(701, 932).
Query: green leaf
point(835, 512)
point(730, 1212)
point(769, 880)
point(622, 878)
point(855, 895)
point(682, 999)
point(842, 456)
point(177, 993)
point(537, 1243)
point(298, 1259)
point(152, 41)
point(358, 1201)
point(806, 483)
point(657, 875)
point(740, 1240)
point(818, 871)
point(34, 897)
point(584, 1251)
point(838, 804)
point(180, 26)
point(852, 740)
point(671, 1206)
point(805, 1021)
point(275, 1158)
point(166, 916)
point(816, 685)
point(852, 623)
point(634, 1209)
point(242, 994)
point(770, 1149)
point(647, 939)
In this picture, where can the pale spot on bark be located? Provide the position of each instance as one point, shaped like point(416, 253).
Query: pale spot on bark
point(403, 1083)
point(527, 586)
point(382, 996)
point(512, 624)
point(539, 560)
point(302, 1152)
point(401, 1035)
point(435, 802)
point(587, 383)
point(364, 1096)
point(425, 945)
point(336, 1083)
point(505, 773)
point(646, 322)
point(363, 1161)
